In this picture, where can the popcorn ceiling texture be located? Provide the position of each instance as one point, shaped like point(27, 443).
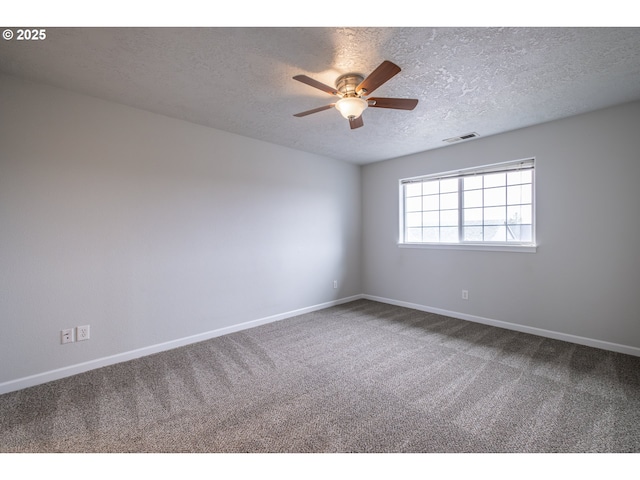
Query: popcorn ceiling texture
point(487, 80)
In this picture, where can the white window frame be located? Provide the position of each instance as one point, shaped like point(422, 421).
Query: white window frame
point(528, 247)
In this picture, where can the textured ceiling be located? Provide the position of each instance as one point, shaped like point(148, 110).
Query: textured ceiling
point(484, 80)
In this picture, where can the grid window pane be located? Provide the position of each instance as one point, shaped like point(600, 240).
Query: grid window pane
point(495, 216)
point(430, 188)
point(449, 218)
point(448, 201)
point(519, 176)
point(431, 234)
point(495, 233)
point(495, 196)
point(413, 204)
point(449, 185)
point(449, 234)
point(472, 216)
point(431, 219)
point(519, 233)
point(519, 214)
point(519, 194)
point(414, 219)
point(473, 198)
point(414, 234)
point(473, 183)
point(413, 189)
point(495, 180)
point(431, 202)
point(473, 234)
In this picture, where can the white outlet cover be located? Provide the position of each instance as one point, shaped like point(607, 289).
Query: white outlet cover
point(82, 333)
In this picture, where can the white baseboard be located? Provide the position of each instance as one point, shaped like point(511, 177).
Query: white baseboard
point(32, 380)
point(590, 342)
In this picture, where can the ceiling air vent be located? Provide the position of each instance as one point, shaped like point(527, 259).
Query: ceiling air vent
point(466, 136)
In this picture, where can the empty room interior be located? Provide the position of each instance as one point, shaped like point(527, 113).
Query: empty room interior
point(320, 239)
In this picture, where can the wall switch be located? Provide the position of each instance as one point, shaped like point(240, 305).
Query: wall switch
point(465, 294)
point(335, 284)
point(82, 333)
point(66, 336)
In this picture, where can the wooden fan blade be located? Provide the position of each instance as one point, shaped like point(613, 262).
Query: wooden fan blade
point(356, 122)
point(316, 84)
point(380, 75)
point(315, 110)
point(397, 103)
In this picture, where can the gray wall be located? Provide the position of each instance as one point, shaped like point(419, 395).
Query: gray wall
point(584, 279)
point(152, 229)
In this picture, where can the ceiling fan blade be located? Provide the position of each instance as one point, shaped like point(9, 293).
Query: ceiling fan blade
point(380, 75)
point(315, 110)
point(356, 122)
point(397, 103)
point(316, 84)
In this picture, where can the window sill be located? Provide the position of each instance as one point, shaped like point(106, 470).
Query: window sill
point(472, 246)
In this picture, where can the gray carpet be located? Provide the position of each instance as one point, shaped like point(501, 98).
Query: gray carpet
point(359, 377)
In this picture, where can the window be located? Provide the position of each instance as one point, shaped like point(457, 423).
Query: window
point(490, 205)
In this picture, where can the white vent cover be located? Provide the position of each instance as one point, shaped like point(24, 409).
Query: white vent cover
point(466, 136)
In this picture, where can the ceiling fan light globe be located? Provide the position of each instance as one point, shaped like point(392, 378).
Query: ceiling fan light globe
point(351, 107)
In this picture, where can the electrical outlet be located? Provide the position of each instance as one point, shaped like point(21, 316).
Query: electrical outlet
point(82, 333)
point(465, 294)
point(335, 284)
point(66, 335)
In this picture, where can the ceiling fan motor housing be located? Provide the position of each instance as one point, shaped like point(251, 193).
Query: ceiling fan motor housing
point(346, 84)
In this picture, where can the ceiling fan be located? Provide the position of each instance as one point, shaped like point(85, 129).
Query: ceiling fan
point(352, 87)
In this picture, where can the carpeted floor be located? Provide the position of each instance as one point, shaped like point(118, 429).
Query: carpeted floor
point(359, 377)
